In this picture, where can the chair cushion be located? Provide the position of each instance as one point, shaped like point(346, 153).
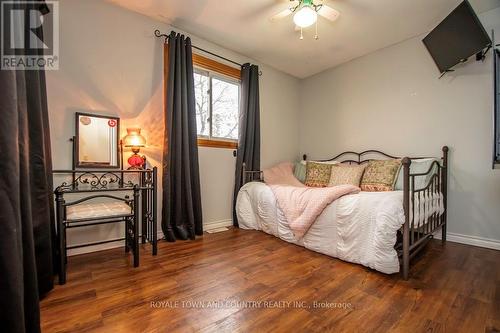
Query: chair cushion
point(97, 210)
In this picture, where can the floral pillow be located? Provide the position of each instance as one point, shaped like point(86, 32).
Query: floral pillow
point(318, 174)
point(346, 174)
point(380, 175)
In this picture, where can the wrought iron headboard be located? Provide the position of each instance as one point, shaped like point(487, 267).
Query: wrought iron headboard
point(360, 158)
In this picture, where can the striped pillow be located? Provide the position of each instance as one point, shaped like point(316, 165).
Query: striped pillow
point(299, 171)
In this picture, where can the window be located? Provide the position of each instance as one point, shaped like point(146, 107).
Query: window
point(217, 92)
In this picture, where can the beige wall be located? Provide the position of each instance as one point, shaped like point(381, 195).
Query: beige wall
point(393, 100)
point(110, 63)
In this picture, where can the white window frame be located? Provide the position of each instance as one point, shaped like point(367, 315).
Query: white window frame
point(213, 74)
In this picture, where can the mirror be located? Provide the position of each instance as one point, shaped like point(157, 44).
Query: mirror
point(97, 141)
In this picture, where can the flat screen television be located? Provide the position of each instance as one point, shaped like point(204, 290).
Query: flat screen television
point(460, 36)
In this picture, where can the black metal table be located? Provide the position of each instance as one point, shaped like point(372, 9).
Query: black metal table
point(94, 184)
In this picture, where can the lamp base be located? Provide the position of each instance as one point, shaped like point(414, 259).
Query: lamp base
point(136, 162)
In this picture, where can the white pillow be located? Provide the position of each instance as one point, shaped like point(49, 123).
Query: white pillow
point(417, 166)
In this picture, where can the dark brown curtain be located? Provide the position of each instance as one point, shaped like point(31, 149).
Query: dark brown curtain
point(249, 128)
point(26, 214)
point(182, 213)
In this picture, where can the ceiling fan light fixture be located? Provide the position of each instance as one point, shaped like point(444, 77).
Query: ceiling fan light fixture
point(305, 16)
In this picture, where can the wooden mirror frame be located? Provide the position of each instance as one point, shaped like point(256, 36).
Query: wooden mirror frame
point(76, 144)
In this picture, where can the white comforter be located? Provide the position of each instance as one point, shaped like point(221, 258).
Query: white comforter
point(359, 228)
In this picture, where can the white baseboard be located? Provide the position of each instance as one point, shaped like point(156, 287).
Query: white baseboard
point(217, 224)
point(452, 237)
point(470, 240)
point(103, 247)
point(114, 245)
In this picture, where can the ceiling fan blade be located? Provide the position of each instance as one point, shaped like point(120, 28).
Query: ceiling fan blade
point(329, 13)
point(282, 14)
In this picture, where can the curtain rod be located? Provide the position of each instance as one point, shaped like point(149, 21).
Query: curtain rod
point(159, 34)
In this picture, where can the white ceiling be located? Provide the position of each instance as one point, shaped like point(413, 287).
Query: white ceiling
point(244, 26)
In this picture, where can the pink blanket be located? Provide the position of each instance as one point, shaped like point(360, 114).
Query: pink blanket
point(301, 204)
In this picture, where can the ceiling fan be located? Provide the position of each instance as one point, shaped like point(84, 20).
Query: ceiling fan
point(305, 13)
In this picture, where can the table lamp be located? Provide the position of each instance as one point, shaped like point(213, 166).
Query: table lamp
point(135, 140)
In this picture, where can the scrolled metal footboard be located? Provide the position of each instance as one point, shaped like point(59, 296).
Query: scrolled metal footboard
point(251, 175)
point(425, 208)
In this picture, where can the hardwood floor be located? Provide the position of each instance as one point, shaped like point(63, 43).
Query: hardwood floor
point(452, 288)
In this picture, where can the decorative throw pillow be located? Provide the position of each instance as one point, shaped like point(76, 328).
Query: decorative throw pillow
point(346, 174)
point(317, 174)
point(380, 175)
point(417, 166)
point(299, 171)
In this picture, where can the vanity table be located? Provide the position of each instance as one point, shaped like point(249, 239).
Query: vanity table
point(98, 191)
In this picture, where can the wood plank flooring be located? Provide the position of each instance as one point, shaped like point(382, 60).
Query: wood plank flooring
point(453, 288)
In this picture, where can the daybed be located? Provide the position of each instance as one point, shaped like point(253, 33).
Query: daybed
point(380, 230)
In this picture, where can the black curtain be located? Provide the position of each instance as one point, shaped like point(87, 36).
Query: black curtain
point(182, 212)
point(249, 128)
point(26, 214)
